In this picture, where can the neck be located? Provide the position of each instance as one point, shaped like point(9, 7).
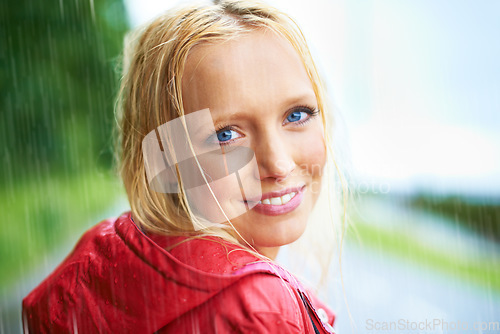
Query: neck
point(270, 252)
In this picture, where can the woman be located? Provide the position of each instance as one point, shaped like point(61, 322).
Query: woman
point(223, 146)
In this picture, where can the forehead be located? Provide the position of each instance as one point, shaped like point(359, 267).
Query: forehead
point(256, 66)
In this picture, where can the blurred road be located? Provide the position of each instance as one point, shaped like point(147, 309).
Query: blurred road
point(382, 288)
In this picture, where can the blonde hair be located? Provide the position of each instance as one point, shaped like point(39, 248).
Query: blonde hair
point(151, 94)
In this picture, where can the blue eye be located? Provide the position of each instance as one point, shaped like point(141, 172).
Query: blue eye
point(296, 116)
point(300, 115)
point(225, 135)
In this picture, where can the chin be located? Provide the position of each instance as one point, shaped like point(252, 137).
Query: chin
point(285, 233)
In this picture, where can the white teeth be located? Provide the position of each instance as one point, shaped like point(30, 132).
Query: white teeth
point(286, 198)
point(278, 200)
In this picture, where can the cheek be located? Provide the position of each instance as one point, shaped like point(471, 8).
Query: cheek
point(310, 153)
point(204, 203)
point(229, 190)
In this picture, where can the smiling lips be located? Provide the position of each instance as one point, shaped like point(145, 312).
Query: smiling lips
point(280, 202)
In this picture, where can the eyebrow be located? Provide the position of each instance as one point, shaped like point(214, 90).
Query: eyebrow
point(298, 98)
point(287, 104)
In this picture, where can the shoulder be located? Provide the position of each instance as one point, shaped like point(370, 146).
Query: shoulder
point(212, 255)
point(256, 303)
point(268, 299)
point(272, 301)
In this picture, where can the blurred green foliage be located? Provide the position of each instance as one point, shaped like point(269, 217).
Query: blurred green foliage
point(481, 216)
point(49, 214)
point(58, 82)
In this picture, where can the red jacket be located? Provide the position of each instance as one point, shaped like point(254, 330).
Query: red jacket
point(120, 280)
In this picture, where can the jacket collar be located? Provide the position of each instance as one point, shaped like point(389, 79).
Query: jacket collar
point(208, 264)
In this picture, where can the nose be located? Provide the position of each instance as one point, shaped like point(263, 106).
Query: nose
point(274, 157)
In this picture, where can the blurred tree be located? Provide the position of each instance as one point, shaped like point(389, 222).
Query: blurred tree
point(57, 88)
point(57, 84)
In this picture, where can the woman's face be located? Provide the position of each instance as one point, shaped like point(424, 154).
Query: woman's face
point(260, 97)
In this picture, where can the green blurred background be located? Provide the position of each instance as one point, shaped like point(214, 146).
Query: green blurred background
point(59, 78)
